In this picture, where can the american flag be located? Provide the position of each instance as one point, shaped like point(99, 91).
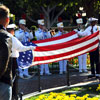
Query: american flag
point(63, 47)
point(58, 48)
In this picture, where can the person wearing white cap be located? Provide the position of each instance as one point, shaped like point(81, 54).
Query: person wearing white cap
point(11, 28)
point(42, 34)
point(62, 63)
point(17, 47)
point(94, 56)
point(82, 58)
point(60, 27)
point(23, 35)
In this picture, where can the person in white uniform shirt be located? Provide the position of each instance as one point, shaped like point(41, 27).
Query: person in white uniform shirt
point(23, 35)
point(42, 34)
point(16, 48)
point(62, 63)
point(94, 56)
point(82, 58)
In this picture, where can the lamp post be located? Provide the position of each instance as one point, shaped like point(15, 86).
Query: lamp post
point(12, 18)
point(84, 14)
point(80, 8)
point(81, 11)
point(11, 15)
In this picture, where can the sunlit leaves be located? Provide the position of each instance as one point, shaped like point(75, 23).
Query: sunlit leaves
point(60, 4)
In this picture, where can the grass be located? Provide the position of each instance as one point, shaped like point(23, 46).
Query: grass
point(79, 91)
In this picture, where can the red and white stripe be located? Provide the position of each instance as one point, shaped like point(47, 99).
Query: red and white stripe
point(63, 47)
point(57, 40)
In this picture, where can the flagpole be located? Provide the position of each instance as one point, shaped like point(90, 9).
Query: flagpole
point(67, 74)
point(39, 85)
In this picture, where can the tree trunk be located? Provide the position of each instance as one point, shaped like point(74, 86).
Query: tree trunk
point(61, 11)
point(47, 16)
point(89, 7)
point(48, 22)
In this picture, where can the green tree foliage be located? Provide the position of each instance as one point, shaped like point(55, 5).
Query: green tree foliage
point(52, 9)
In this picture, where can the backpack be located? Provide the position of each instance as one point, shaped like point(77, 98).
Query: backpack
point(5, 50)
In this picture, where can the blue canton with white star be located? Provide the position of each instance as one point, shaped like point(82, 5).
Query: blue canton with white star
point(25, 58)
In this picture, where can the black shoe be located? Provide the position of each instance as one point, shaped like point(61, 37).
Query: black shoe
point(90, 76)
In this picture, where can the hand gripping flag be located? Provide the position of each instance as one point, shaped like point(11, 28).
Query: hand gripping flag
point(63, 47)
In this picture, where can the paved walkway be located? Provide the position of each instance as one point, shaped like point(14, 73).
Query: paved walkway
point(55, 80)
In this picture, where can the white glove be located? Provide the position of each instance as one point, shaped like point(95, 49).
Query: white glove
point(32, 47)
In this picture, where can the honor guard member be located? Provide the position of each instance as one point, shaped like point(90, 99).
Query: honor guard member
point(62, 63)
point(23, 35)
point(42, 34)
point(82, 58)
point(94, 55)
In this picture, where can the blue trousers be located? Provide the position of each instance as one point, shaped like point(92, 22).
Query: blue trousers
point(5, 91)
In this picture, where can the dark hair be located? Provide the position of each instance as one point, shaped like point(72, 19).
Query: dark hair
point(4, 12)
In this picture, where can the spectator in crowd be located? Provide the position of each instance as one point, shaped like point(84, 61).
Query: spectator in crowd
point(5, 77)
point(13, 44)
